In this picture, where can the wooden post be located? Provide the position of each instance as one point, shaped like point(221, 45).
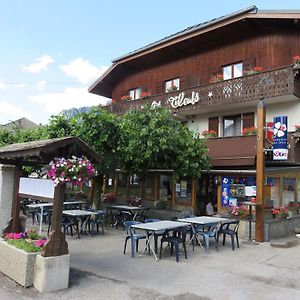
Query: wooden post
point(15, 223)
point(57, 244)
point(260, 171)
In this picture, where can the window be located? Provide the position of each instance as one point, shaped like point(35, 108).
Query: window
point(232, 125)
point(288, 191)
point(184, 190)
point(233, 71)
point(172, 85)
point(135, 93)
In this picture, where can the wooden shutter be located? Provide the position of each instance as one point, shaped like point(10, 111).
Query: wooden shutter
point(248, 120)
point(159, 88)
point(213, 124)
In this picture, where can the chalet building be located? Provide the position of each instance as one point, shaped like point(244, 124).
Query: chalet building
point(212, 76)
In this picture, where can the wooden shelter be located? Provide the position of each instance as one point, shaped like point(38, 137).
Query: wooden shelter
point(37, 153)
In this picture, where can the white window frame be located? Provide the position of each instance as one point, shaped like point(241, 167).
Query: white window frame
point(232, 71)
point(170, 83)
point(135, 93)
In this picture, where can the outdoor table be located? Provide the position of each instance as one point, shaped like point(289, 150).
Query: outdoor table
point(41, 206)
point(131, 210)
point(204, 220)
point(250, 204)
point(153, 227)
point(80, 214)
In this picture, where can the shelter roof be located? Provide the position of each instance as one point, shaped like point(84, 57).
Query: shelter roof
point(43, 151)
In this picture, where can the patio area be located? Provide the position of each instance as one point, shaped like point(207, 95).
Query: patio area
point(99, 270)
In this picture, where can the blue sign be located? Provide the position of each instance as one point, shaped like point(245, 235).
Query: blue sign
point(225, 191)
point(280, 146)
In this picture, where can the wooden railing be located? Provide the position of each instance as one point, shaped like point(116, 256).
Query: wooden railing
point(268, 84)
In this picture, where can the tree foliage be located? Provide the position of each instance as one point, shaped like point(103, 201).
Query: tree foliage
point(152, 139)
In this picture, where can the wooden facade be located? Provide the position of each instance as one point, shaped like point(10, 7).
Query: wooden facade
point(248, 38)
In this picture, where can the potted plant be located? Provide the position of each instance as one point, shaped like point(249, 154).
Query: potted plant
point(145, 94)
point(280, 213)
point(296, 60)
point(253, 70)
point(173, 88)
point(240, 211)
point(216, 78)
point(209, 133)
point(249, 131)
point(126, 98)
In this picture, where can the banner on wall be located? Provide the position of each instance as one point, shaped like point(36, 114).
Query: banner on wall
point(225, 191)
point(280, 146)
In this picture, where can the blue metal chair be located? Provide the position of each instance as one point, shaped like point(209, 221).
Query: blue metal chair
point(133, 236)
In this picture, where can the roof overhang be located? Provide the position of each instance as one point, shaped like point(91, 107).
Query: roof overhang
point(158, 51)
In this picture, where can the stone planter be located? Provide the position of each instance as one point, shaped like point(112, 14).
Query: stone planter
point(51, 273)
point(17, 264)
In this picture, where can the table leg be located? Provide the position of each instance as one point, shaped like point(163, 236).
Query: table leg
point(250, 241)
point(41, 219)
point(194, 237)
point(148, 244)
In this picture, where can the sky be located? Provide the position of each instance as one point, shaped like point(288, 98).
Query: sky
point(53, 50)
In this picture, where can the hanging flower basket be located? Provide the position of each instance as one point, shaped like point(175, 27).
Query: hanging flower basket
point(75, 170)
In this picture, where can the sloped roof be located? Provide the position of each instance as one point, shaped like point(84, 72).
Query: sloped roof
point(42, 152)
point(189, 30)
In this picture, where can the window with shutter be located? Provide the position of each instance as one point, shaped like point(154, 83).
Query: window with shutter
point(248, 120)
point(213, 124)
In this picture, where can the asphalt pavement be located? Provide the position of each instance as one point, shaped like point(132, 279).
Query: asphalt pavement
point(99, 270)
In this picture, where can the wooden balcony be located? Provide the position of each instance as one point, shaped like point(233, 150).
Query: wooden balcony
point(273, 85)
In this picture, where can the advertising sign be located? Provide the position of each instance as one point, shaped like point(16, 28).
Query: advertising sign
point(225, 191)
point(280, 147)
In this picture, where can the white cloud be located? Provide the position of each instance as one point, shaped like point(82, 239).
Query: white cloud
point(54, 103)
point(4, 86)
point(82, 70)
point(40, 65)
point(41, 85)
point(20, 85)
point(10, 111)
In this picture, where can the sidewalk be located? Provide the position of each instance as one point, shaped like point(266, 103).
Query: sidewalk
point(99, 270)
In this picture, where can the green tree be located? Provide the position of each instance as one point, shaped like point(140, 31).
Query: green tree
point(152, 139)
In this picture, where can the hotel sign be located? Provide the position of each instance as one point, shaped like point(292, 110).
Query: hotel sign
point(280, 146)
point(181, 100)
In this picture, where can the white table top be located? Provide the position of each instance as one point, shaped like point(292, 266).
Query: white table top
point(79, 213)
point(159, 225)
point(126, 207)
point(38, 205)
point(203, 220)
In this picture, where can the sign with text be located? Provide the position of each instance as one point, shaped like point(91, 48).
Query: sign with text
point(280, 147)
point(225, 191)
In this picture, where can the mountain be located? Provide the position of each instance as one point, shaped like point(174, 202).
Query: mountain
point(70, 113)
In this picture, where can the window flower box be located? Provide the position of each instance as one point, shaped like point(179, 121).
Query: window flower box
point(249, 131)
point(254, 70)
point(216, 78)
point(209, 133)
point(126, 98)
point(296, 60)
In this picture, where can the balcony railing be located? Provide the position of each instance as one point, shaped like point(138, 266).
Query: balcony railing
point(269, 84)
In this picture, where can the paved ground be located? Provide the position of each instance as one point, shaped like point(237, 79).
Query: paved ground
point(99, 270)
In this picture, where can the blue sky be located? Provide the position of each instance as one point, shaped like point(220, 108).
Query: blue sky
point(51, 51)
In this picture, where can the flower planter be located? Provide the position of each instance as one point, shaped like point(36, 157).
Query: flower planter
point(17, 264)
point(51, 273)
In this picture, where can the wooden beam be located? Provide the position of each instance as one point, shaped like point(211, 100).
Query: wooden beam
point(15, 222)
point(57, 244)
point(260, 172)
